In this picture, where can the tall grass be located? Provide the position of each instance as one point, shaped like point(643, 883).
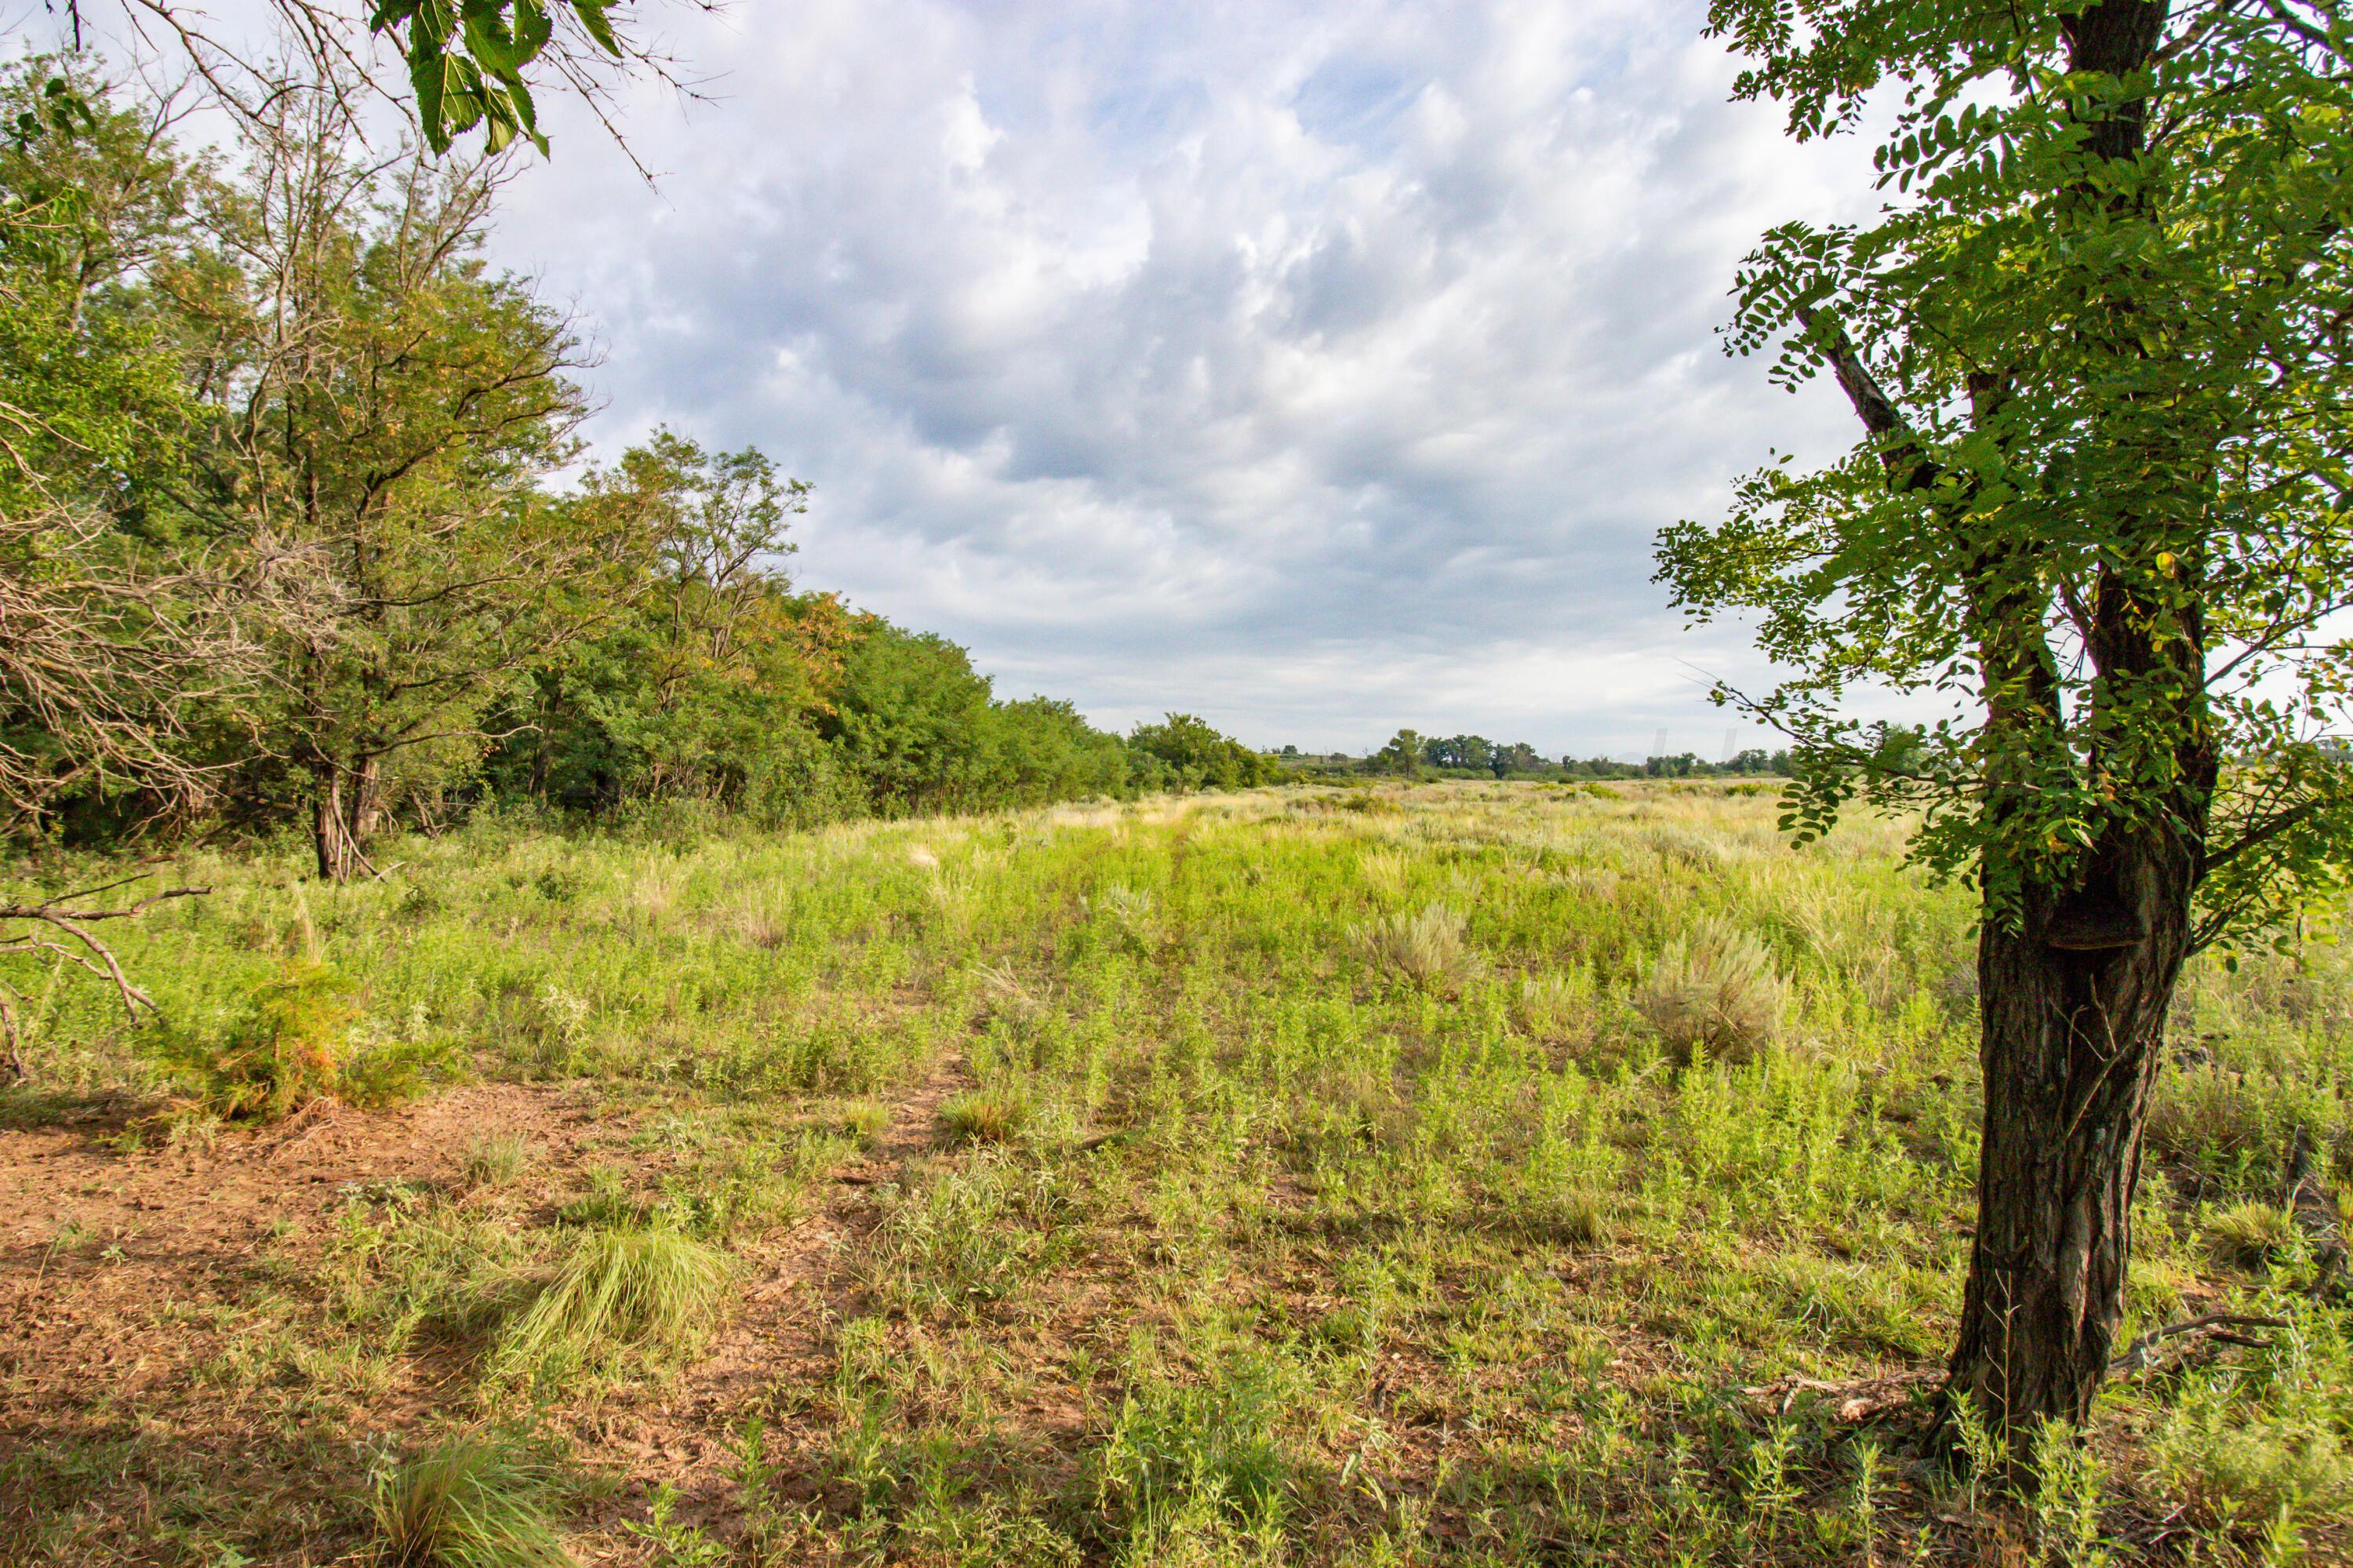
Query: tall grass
point(631, 1288)
point(465, 1502)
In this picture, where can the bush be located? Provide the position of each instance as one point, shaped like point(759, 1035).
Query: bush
point(284, 1049)
point(466, 1503)
point(1716, 991)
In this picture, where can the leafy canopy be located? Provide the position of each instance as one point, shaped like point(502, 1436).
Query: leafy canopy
point(2101, 515)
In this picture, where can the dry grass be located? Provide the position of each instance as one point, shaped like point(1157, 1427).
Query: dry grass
point(1427, 949)
point(1716, 991)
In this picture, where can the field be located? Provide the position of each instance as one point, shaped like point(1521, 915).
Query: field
point(1448, 1174)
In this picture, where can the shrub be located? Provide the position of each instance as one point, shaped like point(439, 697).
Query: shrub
point(637, 1288)
point(1716, 991)
point(465, 1502)
point(284, 1049)
point(1427, 949)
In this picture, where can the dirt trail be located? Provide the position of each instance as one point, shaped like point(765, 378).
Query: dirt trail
point(96, 1243)
point(796, 1285)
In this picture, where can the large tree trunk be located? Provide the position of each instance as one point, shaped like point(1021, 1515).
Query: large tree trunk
point(2074, 1004)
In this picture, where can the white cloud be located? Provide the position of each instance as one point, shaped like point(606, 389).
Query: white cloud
point(1317, 369)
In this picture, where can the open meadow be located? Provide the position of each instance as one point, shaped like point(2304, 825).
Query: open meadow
point(1458, 1173)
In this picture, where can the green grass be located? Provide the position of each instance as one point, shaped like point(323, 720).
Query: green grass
point(627, 1290)
point(465, 1502)
point(1466, 1173)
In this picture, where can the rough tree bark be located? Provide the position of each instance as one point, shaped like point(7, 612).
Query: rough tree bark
point(2074, 1006)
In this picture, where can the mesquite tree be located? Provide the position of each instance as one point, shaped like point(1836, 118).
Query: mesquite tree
point(2097, 520)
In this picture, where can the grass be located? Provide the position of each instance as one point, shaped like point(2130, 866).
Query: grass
point(1468, 1173)
point(467, 1502)
point(627, 1290)
point(985, 1116)
point(494, 1160)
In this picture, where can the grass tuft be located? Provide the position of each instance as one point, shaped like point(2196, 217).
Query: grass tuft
point(985, 1116)
point(1427, 949)
point(495, 1158)
point(1716, 991)
point(641, 1289)
point(2251, 1236)
point(465, 1502)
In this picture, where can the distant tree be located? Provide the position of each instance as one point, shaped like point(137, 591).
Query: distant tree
point(1402, 755)
point(1473, 752)
point(1197, 757)
point(2097, 346)
point(1517, 757)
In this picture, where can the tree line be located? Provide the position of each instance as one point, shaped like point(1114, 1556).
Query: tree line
point(297, 527)
point(1411, 755)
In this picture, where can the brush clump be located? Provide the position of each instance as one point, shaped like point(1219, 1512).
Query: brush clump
point(1716, 991)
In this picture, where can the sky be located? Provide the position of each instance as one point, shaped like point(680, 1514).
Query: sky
point(1318, 368)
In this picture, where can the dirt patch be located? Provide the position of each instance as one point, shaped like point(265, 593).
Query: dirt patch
point(128, 1279)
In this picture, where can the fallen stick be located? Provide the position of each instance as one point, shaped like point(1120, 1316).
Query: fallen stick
point(2219, 1326)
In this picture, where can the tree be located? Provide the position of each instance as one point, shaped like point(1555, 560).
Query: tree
point(468, 63)
point(2096, 342)
point(1402, 755)
point(380, 412)
point(1198, 756)
point(107, 640)
point(910, 720)
point(702, 658)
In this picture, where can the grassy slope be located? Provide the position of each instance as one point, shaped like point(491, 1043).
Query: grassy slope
point(1168, 1183)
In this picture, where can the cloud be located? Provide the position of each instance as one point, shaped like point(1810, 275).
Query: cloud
point(1320, 369)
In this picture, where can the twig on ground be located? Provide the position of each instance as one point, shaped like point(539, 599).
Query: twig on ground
point(2220, 1327)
